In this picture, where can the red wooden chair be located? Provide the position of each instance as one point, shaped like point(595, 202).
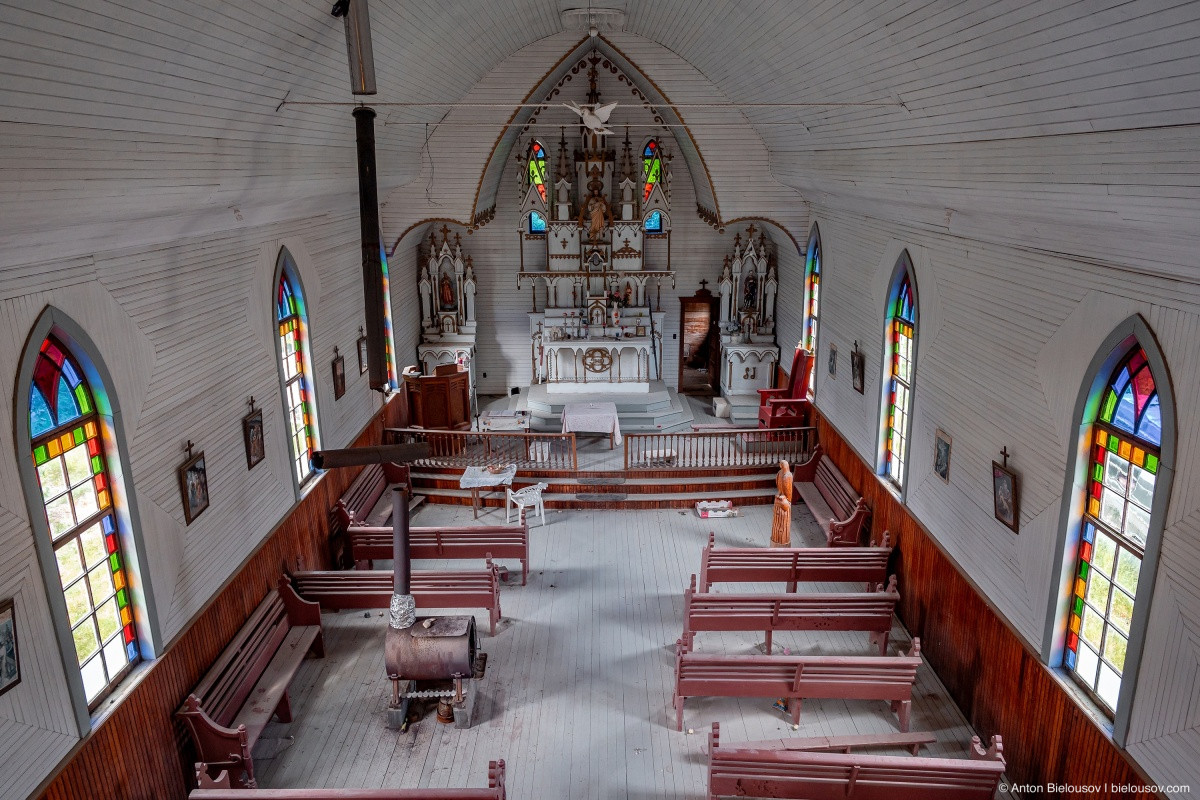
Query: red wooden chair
point(788, 407)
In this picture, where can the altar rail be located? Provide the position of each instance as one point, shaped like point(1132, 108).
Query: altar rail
point(718, 449)
point(541, 451)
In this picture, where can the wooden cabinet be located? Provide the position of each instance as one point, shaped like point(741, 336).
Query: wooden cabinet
point(441, 401)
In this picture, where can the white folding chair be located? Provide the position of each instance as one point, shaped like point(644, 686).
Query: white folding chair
point(529, 497)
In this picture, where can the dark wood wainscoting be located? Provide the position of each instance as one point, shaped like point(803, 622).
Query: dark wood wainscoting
point(140, 750)
point(998, 682)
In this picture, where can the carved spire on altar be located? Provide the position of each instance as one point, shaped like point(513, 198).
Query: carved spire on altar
point(748, 287)
point(447, 289)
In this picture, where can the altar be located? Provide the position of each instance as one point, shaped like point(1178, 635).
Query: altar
point(577, 366)
point(595, 236)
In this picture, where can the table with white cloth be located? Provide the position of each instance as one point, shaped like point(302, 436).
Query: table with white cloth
point(593, 418)
point(476, 478)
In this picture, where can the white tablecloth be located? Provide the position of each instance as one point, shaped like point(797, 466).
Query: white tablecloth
point(592, 418)
point(479, 477)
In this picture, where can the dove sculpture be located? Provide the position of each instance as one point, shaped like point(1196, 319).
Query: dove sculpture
point(594, 117)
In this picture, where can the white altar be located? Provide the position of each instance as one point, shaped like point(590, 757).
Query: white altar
point(595, 236)
point(624, 366)
point(749, 355)
point(447, 289)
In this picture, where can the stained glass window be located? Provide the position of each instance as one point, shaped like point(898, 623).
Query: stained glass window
point(812, 287)
point(537, 223)
point(297, 391)
point(76, 489)
point(651, 168)
point(389, 355)
point(654, 222)
point(901, 333)
point(1123, 466)
point(537, 168)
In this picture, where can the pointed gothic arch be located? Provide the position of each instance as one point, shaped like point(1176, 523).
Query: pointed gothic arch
point(899, 363)
point(1108, 540)
point(295, 368)
point(73, 466)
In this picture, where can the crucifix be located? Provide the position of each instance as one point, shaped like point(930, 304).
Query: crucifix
point(704, 285)
point(1004, 455)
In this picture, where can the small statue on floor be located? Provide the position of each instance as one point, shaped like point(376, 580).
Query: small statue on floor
point(781, 524)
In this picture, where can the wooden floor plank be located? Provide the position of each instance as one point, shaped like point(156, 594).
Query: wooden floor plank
point(577, 696)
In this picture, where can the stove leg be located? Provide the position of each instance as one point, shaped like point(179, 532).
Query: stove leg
point(397, 710)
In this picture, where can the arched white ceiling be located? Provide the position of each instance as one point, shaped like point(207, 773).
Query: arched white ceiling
point(1067, 127)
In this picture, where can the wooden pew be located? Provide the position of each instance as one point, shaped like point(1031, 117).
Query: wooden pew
point(367, 500)
point(796, 677)
point(831, 611)
point(809, 775)
point(360, 588)
point(845, 744)
point(368, 544)
point(247, 684)
point(213, 790)
point(838, 509)
point(793, 564)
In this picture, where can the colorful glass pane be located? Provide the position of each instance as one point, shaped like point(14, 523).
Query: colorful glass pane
point(68, 451)
point(654, 222)
point(651, 168)
point(812, 287)
point(296, 393)
point(388, 352)
point(537, 169)
point(1115, 525)
point(537, 222)
point(902, 333)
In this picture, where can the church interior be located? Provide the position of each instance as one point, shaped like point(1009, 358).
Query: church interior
point(532, 398)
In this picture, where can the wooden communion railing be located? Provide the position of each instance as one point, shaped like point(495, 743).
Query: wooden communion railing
point(718, 449)
point(529, 451)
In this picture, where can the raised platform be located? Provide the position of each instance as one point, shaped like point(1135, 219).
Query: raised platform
point(659, 409)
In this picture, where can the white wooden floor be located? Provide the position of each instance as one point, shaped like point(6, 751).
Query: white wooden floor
point(577, 696)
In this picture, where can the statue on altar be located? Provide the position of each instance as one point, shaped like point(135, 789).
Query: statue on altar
point(750, 293)
point(446, 289)
point(447, 293)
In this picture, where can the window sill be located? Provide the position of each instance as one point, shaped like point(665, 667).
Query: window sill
point(1086, 704)
point(120, 694)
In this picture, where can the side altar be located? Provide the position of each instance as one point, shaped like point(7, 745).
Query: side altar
point(595, 245)
point(446, 287)
point(748, 287)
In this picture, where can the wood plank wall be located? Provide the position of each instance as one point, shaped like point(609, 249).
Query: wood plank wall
point(136, 752)
point(1000, 685)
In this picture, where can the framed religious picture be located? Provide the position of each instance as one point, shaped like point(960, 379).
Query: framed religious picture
point(10, 665)
point(1004, 495)
point(362, 353)
point(252, 433)
point(941, 454)
point(833, 361)
point(857, 367)
point(639, 330)
point(193, 485)
point(339, 375)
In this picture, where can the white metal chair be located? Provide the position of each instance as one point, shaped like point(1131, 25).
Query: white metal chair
point(529, 497)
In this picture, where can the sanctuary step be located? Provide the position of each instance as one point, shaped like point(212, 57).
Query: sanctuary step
point(679, 489)
point(660, 409)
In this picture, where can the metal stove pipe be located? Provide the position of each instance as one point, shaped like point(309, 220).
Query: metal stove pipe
point(403, 606)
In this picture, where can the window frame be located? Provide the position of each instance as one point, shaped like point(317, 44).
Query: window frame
point(811, 321)
point(1132, 332)
point(903, 272)
point(286, 268)
point(85, 354)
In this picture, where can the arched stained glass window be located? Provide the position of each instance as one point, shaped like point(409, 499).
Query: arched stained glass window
point(76, 491)
point(1123, 465)
point(812, 287)
point(388, 352)
point(900, 358)
point(297, 389)
point(537, 222)
point(537, 168)
point(654, 222)
point(651, 168)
